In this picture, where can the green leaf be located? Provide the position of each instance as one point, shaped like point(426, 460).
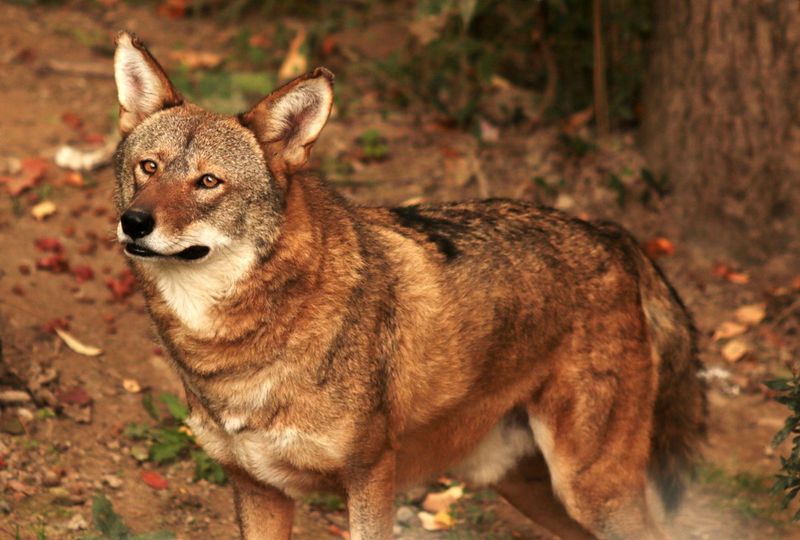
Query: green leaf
point(107, 521)
point(206, 468)
point(777, 384)
point(176, 408)
point(169, 444)
point(137, 432)
point(150, 407)
point(156, 535)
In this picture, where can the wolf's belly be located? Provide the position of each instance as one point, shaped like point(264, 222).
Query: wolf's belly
point(289, 459)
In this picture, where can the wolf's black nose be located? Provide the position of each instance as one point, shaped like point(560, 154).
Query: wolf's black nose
point(137, 224)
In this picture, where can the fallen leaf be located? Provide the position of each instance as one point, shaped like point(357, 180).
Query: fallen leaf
point(658, 247)
point(796, 283)
point(174, 9)
point(578, 120)
point(131, 385)
point(439, 522)
point(154, 480)
point(56, 263)
point(328, 45)
point(727, 273)
point(74, 396)
point(74, 179)
point(197, 59)
point(72, 120)
point(740, 278)
point(49, 243)
point(488, 132)
point(751, 314)
point(77, 346)
point(436, 502)
point(335, 530)
point(734, 350)
point(728, 329)
point(43, 210)
point(50, 327)
point(122, 286)
point(139, 452)
point(32, 172)
point(83, 273)
point(295, 61)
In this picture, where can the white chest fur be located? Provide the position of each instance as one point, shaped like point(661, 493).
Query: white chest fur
point(192, 289)
point(277, 456)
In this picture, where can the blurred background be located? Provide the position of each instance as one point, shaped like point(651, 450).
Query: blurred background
point(679, 119)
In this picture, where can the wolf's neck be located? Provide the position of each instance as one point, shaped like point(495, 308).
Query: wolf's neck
point(192, 290)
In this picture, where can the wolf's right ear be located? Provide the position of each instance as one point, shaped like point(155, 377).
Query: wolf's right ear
point(143, 87)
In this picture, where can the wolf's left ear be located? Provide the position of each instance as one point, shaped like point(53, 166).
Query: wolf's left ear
point(143, 87)
point(289, 120)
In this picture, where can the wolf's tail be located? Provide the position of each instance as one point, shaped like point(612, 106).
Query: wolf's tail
point(679, 424)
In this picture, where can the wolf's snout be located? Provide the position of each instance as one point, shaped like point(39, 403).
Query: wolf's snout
point(137, 224)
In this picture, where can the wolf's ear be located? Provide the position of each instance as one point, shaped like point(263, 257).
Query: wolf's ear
point(143, 87)
point(289, 120)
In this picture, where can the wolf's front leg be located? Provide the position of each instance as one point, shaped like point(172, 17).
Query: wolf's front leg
point(263, 512)
point(370, 499)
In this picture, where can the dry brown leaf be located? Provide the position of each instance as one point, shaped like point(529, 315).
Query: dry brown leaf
point(77, 346)
point(740, 278)
point(295, 62)
point(751, 314)
point(658, 247)
point(43, 210)
point(430, 523)
point(197, 59)
point(437, 502)
point(131, 385)
point(729, 329)
point(734, 350)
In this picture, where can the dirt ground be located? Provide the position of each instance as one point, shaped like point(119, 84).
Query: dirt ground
point(64, 444)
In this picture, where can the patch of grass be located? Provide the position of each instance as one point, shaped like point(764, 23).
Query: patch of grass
point(170, 439)
point(749, 495)
point(226, 92)
point(374, 145)
point(110, 525)
point(325, 502)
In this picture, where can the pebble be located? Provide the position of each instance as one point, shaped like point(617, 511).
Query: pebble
point(397, 530)
point(51, 478)
point(113, 481)
point(77, 523)
point(406, 515)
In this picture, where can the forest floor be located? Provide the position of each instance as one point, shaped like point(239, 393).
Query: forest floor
point(68, 438)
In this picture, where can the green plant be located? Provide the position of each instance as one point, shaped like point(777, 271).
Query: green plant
point(374, 146)
point(170, 439)
point(111, 526)
point(788, 480)
point(325, 501)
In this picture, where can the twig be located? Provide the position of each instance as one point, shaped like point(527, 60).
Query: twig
point(600, 93)
point(82, 69)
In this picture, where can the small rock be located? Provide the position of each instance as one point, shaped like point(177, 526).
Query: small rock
point(77, 523)
point(397, 530)
point(113, 481)
point(12, 397)
point(51, 478)
point(5, 507)
point(406, 516)
point(564, 202)
point(25, 415)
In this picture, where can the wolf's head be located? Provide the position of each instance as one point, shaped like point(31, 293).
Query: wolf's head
point(193, 186)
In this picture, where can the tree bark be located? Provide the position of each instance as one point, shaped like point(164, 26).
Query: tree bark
point(722, 115)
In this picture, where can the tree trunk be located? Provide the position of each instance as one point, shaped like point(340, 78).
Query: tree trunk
point(722, 116)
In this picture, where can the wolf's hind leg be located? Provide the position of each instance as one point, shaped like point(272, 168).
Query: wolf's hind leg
point(606, 494)
point(528, 488)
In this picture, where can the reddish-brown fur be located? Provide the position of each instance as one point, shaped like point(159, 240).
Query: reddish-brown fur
point(370, 348)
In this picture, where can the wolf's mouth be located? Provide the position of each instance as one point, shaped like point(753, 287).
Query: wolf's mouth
point(189, 254)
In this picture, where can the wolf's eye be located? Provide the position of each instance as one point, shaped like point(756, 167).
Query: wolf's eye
point(208, 181)
point(148, 166)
